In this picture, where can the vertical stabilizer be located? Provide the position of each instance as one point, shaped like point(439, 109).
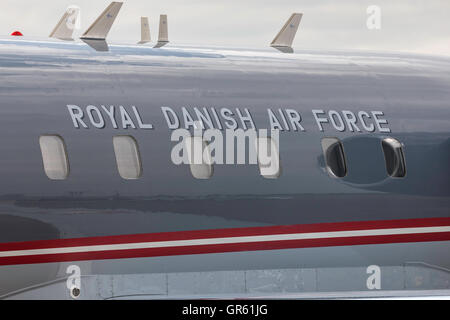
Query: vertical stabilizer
point(283, 40)
point(145, 31)
point(98, 31)
point(163, 36)
point(66, 25)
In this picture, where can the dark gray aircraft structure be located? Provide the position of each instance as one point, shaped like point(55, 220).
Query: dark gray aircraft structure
point(379, 195)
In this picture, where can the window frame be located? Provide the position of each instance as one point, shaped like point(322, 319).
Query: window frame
point(64, 152)
point(138, 158)
point(325, 149)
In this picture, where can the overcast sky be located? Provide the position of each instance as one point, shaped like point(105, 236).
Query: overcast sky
point(406, 25)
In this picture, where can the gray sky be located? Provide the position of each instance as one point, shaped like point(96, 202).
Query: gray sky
point(406, 25)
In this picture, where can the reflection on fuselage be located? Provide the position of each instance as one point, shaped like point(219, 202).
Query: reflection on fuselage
point(41, 79)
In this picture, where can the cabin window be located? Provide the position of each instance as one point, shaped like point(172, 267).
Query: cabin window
point(54, 157)
point(199, 157)
point(394, 157)
point(128, 159)
point(333, 153)
point(268, 158)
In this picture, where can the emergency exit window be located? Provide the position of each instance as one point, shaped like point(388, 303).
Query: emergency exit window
point(394, 157)
point(54, 157)
point(128, 159)
point(334, 156)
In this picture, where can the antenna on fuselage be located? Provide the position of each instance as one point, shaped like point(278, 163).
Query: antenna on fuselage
point(145, 31)
point(68, 22)
point(284, 38)
point(163, 36)
point(95, 35)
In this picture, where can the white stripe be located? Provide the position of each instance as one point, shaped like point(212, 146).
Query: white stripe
point(226, 240)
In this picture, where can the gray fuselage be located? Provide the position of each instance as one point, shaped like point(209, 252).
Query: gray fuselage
point(40, 78)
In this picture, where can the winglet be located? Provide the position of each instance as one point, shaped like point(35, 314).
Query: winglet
point(163, 36)
point(145, 31)
point(101, 26)
point(284, 38)
point(64, 29)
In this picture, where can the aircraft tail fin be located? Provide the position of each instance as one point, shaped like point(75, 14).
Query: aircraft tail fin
point(96, 34)
point(101, 26)
point(66, 25)
point(284, 38)
point(145, 31)
point(163, 36)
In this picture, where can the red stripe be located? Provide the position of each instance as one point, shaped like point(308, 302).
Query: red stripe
point(229, 232)
point(222, 248)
